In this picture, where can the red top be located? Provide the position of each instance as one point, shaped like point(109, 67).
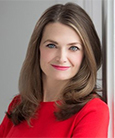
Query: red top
point(90, 122)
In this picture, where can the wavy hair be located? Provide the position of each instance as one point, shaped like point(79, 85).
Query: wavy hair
point(81, 87)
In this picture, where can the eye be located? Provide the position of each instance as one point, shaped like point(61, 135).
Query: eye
point(74, 48)
point(51, 46)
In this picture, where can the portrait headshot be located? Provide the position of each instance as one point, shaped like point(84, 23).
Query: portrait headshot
point(55, 69)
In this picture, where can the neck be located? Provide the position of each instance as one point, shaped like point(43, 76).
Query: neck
point(52, 89)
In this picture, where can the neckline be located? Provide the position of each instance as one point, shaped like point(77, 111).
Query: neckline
point(47, 102)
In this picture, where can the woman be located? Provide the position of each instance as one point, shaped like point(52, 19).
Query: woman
point(58, 94)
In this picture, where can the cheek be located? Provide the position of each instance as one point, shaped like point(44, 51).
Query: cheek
point(76, 60)
point(43, 59)
point(45, 56)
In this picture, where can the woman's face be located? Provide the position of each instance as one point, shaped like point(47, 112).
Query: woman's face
point(61, 52)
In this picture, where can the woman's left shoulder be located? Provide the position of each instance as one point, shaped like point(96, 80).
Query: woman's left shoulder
point(97, 105)
point(95, 111)
point(92, 120)
point(98, 102)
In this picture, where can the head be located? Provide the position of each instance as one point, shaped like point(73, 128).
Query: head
point(75, 17)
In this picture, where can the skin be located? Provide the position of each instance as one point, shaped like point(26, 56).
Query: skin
point(61, 55)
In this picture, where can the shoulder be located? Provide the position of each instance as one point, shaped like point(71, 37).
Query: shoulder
point(92, 120)
point(6, 124)
point(95, 112)
point(15, 101)
point(96, 108)
point(96, 104)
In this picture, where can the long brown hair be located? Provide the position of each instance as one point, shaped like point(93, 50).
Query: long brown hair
point(81, 87)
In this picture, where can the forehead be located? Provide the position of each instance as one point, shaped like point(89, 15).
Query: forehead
point(59, 31)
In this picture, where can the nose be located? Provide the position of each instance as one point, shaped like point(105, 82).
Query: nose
point(62, 56)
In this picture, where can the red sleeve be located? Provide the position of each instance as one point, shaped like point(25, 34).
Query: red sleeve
point(93, 120)
point(6, 124)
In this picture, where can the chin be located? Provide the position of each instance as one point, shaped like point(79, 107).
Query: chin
point(62, 78)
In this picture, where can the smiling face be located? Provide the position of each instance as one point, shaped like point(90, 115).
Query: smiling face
point(61, 52)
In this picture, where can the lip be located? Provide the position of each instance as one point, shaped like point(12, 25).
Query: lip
point(62, 68)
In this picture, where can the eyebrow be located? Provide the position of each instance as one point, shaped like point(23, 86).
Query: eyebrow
point(49, 40)
point(73, 43)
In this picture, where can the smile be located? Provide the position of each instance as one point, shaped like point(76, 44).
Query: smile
point(62, 68)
